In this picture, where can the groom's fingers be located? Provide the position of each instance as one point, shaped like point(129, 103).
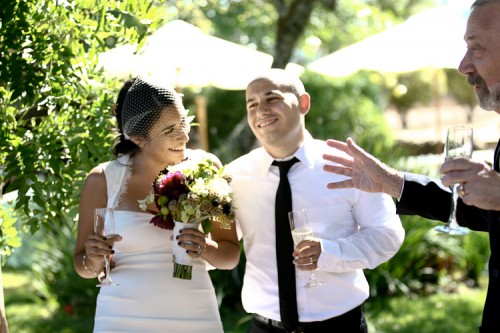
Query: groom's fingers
point(340, 185)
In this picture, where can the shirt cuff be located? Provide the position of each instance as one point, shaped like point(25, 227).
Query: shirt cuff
point(402, 187)
point(330, 252)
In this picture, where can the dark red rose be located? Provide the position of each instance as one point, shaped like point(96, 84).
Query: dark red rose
point(171, 185)
point(163, 222)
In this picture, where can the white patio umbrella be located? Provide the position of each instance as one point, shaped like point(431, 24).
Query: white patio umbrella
point(182, 55)
point(432, 38)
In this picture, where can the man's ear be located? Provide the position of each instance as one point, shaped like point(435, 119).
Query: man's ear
point(304, 103)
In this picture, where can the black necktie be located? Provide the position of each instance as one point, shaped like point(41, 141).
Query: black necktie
point(497, 155)
point(284, 249)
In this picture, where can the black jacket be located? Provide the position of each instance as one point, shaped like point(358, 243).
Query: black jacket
point(428, 197)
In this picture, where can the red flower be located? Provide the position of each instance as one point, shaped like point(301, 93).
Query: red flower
point(171, 185)
point(190, 192)
point(69, 309)
point(163, 222)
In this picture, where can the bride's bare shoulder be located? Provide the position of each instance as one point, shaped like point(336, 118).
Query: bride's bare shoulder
point(195, 154)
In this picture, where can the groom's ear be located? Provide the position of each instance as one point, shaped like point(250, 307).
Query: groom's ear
point(304, 103)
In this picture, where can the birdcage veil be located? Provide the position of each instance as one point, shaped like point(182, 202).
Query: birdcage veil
point(144, 104)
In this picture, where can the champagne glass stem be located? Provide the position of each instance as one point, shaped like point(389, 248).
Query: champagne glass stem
point(313, 281)
point(106, 265)
point(452, 227)
point(459, 144)
point(104, 224)
point(453, 216)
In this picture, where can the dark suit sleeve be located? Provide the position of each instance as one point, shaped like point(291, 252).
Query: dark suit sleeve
point(429, 198)
point(472, 217)
point(426, 197)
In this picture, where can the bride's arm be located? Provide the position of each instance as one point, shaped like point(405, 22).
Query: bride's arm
point(93, 195)
point(88, 257)
point(223, 249)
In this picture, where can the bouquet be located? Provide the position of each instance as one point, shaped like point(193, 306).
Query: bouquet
point(190, 193)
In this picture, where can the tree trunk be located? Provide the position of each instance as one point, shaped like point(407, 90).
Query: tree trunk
point(293, 18)
point(292, 21)
point(403, 114)
point(3, 319)
point(469, 114)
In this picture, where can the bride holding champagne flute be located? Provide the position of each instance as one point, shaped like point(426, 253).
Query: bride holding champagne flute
point(153, 132)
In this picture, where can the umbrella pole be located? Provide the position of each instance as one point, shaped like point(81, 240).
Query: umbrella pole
point(437, 104)
point(201, 116)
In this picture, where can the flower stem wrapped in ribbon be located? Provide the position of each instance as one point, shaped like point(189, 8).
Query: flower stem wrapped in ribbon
point(191, 192)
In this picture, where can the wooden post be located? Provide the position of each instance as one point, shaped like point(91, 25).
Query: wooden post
point(201, 118)
point(3, 319)
point(437, 103)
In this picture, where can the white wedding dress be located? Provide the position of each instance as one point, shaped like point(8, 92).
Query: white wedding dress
point(148, 299)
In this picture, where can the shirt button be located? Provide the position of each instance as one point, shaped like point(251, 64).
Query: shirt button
point(495, 273)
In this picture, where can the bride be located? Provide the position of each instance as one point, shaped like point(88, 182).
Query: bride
point(153, 130)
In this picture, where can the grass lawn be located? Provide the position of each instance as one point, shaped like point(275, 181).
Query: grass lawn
point(458, 312)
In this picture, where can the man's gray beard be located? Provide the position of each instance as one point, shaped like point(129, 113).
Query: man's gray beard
point(491, 100)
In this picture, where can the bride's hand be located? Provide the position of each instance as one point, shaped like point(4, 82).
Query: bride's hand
point(97, 246)
point(193, 240)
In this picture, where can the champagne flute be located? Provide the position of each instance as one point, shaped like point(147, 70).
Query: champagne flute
point(301, 230)
point(104, 224)
point(458, 144)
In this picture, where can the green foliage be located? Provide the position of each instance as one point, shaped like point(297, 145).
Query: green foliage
point(429, 261)
point(55, 278)
point(339, 108)
point(54, 100)
point(57, 125)
point(461, 91)
point(437, 313)
point(343, 108)
point(476, 249)
point(408, 90)
point(229, 133)
point(27, 311)
point(333, 24)
point(9, 237)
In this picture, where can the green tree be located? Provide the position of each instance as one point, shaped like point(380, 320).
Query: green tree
point(55, 103)
point(407, 91)
point(293, 30)
point(461, 91)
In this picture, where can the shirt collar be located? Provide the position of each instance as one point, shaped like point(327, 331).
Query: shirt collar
point(305, 154)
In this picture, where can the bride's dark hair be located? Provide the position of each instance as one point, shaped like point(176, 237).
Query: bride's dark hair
point(139, 106)
point(122, 145)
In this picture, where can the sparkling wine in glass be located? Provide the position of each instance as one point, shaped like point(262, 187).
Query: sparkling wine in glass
point(301, 230)
point(104, 224)
point(458, 144)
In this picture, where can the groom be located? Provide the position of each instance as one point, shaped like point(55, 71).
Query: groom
point(353, 230)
